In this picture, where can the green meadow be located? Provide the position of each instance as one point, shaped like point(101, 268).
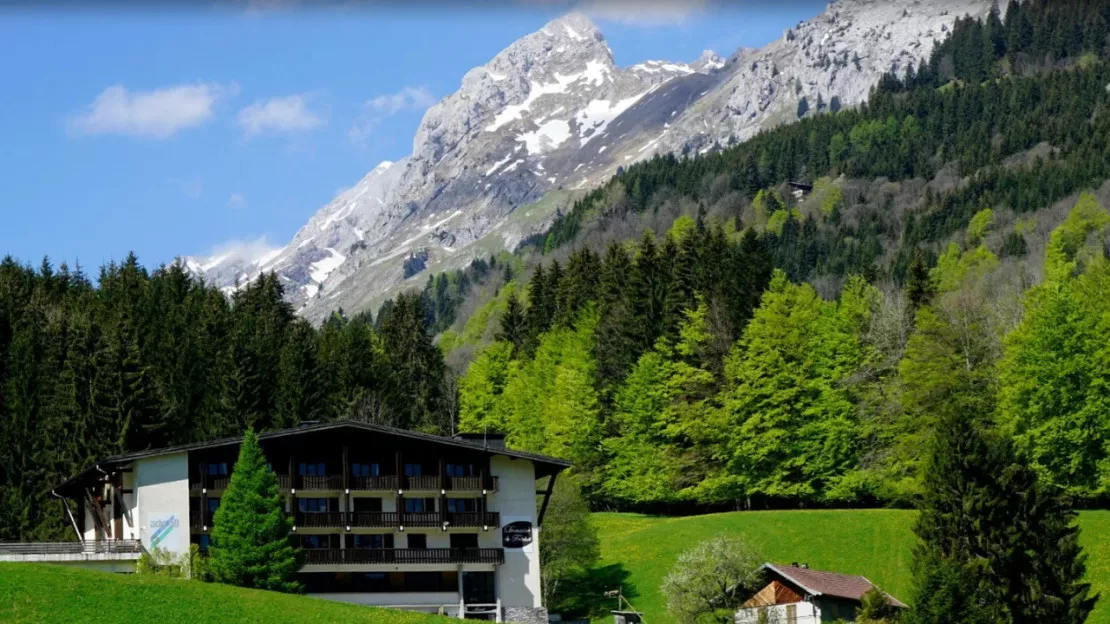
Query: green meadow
point(639, 550)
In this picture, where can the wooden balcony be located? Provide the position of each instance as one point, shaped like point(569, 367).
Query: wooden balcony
point(208, 482)
point(412, 556)
point(310, 483)
point(320, 519)
point(476, 519)
point(422, 520)
point(385, 483)
point(469, 484)
point(375, 519)
point(426, 483)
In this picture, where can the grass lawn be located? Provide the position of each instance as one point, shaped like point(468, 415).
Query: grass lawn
point(875, 543)
point(47, 593)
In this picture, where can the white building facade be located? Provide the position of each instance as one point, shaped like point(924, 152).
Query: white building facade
point(384, 517)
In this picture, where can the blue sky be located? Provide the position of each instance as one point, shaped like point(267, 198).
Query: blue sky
point(186, 129)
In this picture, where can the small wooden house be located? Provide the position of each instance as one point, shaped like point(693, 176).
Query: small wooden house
point(800, 190)
point(798, 595)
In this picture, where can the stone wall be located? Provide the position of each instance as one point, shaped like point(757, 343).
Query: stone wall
point(526, 615)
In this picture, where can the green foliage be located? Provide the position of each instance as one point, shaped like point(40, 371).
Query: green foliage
point(789, 421)
point(569, 546)
point(33, 593)
point(876, 608)
point(996, 545)
point(876, 543)
point(1055, 385)
point(480, 404)
point(978, 226)
point(251, 543)
point(712, 579)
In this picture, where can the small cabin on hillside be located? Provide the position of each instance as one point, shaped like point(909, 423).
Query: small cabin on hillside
point(795, 594)
point(800, 190)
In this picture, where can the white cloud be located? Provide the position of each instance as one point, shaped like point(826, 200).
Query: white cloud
point(643, 12)
point(190, 187)
point(157, 114)
point(241, 251)
point(408, 98)
point(237, 200)
point(377, 109)
point(279, 114)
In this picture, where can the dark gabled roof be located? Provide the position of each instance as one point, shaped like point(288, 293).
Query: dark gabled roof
point(821, 583)
point(544, 464)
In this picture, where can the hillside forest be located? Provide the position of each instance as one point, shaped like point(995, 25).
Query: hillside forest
point(691, 334)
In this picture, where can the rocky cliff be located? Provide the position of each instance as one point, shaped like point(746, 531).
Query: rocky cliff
point(552, 115)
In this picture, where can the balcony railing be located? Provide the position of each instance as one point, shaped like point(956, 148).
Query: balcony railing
point(469, 484)
point(198, 520)
point(421, 520)
point(374, 519)
point(71, 548)
point(320, 519)
point(473, 519)
point(209, 482)
point(385, 483)
point(426, 482)
point(382, 483)
point(370, 556)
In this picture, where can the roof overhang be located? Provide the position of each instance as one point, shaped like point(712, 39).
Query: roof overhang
point(545, 466)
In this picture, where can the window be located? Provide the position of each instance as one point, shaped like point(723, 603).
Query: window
point(365, 470)
point(315, 505)
point(312, 469)
point(420, 505)
point(217, 469)
point(370, 582)
point(431, 581)
point(414, 470)
point(366, 504)
point(213, 505)
point(418, 540)
point(369, 541)
point(464, 540)
point(791, 614)
point(461, 470)
point(201, 541)
point(462, 504)
point(319, 541)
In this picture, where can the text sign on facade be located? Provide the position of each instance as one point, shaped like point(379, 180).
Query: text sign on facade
point(517, 534)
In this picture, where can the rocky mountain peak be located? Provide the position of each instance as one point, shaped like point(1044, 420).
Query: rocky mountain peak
point(553, 112)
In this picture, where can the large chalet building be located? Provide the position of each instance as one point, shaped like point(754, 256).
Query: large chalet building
point(384, 516)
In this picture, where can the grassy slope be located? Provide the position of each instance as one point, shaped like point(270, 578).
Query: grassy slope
point(875, 543)
point(45, 593)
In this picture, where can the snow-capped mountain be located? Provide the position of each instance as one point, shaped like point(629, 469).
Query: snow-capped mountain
point(553, 112)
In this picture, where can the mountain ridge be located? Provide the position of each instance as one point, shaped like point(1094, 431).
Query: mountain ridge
point(553, 111)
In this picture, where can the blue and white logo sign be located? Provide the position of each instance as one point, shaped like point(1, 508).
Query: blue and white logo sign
point(164, 531)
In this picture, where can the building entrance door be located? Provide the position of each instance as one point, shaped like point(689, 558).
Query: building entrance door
point(478, 588)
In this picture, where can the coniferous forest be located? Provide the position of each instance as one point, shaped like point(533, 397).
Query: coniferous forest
point(690, 334)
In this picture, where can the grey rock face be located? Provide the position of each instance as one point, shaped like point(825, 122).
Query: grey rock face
point(553, 112)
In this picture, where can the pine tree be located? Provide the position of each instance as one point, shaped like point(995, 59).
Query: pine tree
point(251, 533)
point(300, 388)
point(919, 288)
point(514, 328)
point(996, 545)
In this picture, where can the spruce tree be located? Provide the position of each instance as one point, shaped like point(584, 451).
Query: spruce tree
point(251, 533)
point(996, 544)
point(514, 327)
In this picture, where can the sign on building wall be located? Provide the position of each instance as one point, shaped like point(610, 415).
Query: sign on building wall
point(163, 530)
point(517, 533)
